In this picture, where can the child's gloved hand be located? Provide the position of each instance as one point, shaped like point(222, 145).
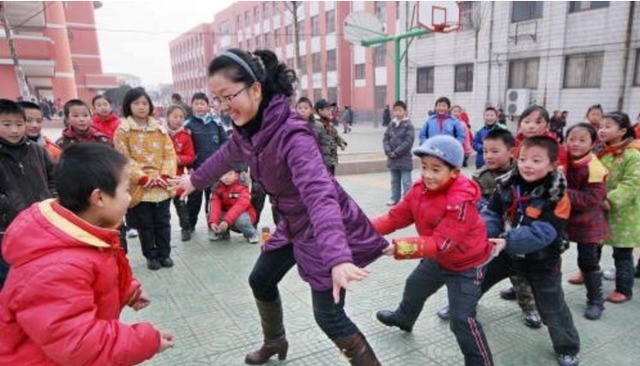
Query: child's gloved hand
point(223, 226)
point(161, 182)
point(146, 182)
point(213, 227)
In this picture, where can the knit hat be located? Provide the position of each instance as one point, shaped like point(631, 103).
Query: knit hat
point(321, 104)
point(443, 147)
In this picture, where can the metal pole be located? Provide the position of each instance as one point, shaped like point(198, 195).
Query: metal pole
point(396, 62)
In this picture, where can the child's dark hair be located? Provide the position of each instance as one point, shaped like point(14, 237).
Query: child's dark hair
point(532, 109)
point(545, 142)
point(304, 100)
point(9, 107)
point(131, 96)
point(443, 100)
point(491, 109)
point(594, 107)
point(502, 135)
point(73, 103)
point(587, 126)
point(98, 97)
point(260, 66)
point(400, 104)
point(200, 96)
point(623, 121)
point(84, 167)
point(28, 105)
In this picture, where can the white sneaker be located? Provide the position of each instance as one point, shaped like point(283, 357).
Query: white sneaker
point(391, 203)
point(213, 236)
point(132, 233)
point(253, 239)
point(610, 274)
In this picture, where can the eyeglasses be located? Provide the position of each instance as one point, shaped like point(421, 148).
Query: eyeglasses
point(218, 101)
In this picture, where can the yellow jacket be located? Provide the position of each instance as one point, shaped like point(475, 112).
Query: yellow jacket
point(150, 153)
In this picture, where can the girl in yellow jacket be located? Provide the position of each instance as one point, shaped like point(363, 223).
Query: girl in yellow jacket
point(152, 161)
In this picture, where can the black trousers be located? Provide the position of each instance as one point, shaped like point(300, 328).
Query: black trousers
point(123, 238)
point(194, 203)
point(463, 289)
point(153, 222)
point(545, 278)
point(269, 270)
point(183, 213)
point(623, 260)
point(589, 257)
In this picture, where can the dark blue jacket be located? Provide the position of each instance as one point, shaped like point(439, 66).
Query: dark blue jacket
point(478, 142)
point(207, 134)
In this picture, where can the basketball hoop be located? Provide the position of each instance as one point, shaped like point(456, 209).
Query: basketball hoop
point(439, 16)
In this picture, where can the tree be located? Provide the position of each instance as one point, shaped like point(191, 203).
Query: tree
point(116, 95)
point(20, 76)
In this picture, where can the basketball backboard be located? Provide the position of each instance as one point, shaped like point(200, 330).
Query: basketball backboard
point(439, 16)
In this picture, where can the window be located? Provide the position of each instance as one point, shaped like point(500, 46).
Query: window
point(224, 28)
point(247, 17)
point(466, 14)
point(464, 78)
point(256, 13)
point(331, 21)
point(424, 82)
point(576, 6)
point(315, 26)
point(526, 10)
point(583, 70)
point(331, 60)
point(238, 21)
point(317, 94)
point(302, 64)
point(265, 10)
point(301, 32)
point(276, 35)
point(380, 55)
point(523, 74)
point(290, 62)
point(332, 95)
point(289, 34)
point(249, 44)
point(636, 77)
point(316, 64)
point(380, 96)
point(266, 39)
point(359, 71)
point(380, 10)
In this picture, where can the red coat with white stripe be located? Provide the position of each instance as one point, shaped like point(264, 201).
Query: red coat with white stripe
point(234, 200)
point(183, 145)
point(68, 283)
point(447, 221)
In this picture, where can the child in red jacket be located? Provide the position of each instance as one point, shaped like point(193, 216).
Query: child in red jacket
point(104, 120)
point(185, 154)
point(231, 209)
point(69, 277)
point(452, 241)
point(534, 121)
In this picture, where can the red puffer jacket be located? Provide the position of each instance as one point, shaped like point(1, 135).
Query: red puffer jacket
point(107, 126)
point(68, 283)
point(447, 221)
point(234, 200)
point(183, 145)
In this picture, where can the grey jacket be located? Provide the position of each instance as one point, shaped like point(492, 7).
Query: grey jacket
point(398, 141)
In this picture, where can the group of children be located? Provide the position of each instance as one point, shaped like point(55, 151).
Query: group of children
point(533, 196)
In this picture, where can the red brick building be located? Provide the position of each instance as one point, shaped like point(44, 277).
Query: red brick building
point(57, 45)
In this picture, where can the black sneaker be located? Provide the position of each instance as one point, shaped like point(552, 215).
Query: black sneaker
point(531, 319)
point(594, 310)
point(153, 264)
point(508, 294)
point(186, 234)
point(444, 313)
point(388, 318)
point(568, 360)
point(166, 262)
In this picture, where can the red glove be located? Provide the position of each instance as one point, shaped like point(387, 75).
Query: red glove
point(145, 182)
point(415, 247)
point(161, 182)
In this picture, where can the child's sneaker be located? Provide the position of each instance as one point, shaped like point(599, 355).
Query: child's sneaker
point(568, 360)
point(444, 313)
point(531, 319)
point(213, 236)
point(132, 233)
point(610, 274)
point(253, 239)
point(508, 293)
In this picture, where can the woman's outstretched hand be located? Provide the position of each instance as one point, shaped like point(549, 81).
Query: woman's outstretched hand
point(182, 184)
point(344, 273)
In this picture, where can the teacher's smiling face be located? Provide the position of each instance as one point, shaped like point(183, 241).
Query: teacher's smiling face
point(240, 101)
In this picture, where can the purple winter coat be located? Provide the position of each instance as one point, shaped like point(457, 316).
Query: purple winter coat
point(324, 224)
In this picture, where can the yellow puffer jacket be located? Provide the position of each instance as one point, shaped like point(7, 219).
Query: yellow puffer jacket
point(150, 153)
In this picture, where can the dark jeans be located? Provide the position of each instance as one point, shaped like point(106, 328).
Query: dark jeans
point(623, 260)
point(545, 278)
point(589, 257)
point(463, 289)
point(332, 170)
point(153, 222)
point(194, 203)
point(4, 266)
point(183, 213)
point(269, 270)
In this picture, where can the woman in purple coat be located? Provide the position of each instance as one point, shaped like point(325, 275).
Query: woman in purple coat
point(321, 229)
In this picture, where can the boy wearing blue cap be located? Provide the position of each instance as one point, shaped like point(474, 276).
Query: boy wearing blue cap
point(452, 243)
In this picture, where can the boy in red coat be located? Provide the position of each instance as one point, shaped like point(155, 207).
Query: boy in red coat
point(452, 241)
point(69, 277)
point(78, 118)
point(231, 209)
point(185, 154)
point(104, 120)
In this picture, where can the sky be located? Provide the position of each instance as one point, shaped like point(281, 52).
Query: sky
point(134, 36)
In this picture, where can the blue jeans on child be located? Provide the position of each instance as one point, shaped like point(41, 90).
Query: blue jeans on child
point(397, 177)
point(243, 225)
